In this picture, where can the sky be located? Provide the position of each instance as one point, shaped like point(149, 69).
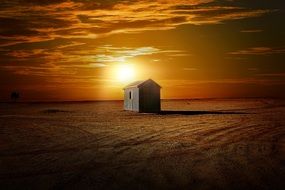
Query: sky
point(75, 49)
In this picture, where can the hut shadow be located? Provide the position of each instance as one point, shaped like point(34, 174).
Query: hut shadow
point(173, 112)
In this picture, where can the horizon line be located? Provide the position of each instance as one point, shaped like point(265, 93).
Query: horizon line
point(113, 100)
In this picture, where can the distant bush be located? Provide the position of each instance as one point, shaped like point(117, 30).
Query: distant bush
point(15, 96)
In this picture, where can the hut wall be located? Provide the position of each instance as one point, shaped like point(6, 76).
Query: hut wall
point(131, 99)
point(149, 98)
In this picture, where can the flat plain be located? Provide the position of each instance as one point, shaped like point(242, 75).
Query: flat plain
point(191, 144)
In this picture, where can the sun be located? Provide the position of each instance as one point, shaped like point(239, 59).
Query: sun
point(125, 72)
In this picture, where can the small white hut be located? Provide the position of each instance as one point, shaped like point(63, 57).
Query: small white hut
point(142, 96)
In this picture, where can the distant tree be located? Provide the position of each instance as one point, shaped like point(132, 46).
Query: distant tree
point(15, 96)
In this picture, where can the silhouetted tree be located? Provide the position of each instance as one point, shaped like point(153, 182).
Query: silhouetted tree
point(15, 96)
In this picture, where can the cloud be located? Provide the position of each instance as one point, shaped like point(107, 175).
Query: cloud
point(33, 21)
point(251, 31)
point(252, 69)
point(27, 54)
point(121, 54)
point(271, 74)
point(98, 54)
point(190, 69)
point(259, 51)
point(73, 59)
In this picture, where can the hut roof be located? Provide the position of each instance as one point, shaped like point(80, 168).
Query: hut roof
point(138, 84)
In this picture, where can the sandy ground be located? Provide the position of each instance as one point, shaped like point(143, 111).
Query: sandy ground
point(198, 144)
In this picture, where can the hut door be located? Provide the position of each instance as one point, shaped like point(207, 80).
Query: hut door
point(131, 100)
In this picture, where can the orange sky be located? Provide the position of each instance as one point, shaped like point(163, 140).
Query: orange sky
point(71, 49)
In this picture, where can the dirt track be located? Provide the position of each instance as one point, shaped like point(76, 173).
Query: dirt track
point(99, 146)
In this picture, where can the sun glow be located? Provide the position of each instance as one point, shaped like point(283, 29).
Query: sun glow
point(125, 72)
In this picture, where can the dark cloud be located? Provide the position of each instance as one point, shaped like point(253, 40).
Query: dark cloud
point(15, 26)
point(77, 18)
point(259, 51)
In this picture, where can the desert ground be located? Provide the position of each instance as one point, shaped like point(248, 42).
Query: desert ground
point(192, 144)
